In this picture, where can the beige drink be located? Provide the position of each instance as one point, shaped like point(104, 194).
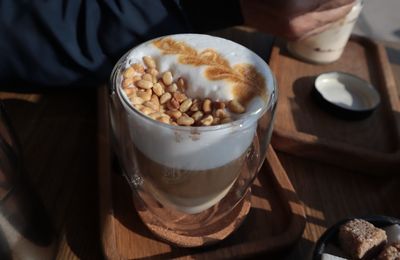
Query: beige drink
point(192, 102)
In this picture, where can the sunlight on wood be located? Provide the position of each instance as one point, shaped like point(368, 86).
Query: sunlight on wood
point(33, 98)
point(314, 213)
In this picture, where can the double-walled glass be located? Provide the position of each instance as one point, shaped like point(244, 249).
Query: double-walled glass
point(188, 177)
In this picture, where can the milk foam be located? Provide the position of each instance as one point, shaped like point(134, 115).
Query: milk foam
point(197, 148)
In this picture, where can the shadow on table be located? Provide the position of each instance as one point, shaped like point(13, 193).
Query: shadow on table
point(57, 133)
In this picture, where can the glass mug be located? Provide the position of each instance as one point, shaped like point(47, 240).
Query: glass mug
point(188, 178)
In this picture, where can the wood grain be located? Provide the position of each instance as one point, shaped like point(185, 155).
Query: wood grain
point(302, 128)
point(276, 214)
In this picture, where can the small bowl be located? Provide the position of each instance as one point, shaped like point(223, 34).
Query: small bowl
point(345, 95)
point(330, 236)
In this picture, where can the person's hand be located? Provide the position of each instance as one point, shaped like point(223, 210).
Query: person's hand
point(293, 19)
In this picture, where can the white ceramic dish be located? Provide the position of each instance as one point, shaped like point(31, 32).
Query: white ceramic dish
point(346, 95)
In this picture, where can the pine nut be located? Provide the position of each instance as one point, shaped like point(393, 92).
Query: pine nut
point(164, 119)
point(149, 61)
point(138, 68)
point(136, 78)
point(172, 88)
point(155, 115)
point(207, 106)
point(219, 105)
point(158, 89)
point(175, 114)
point(236, 107)
point(185, 105)
point(197, 115)
point(220, 113)
point(181, 84)
point(167, 78)
point(207, 120)
point(148, 77)
point(130, 91)
point(153, 72)
point(165, 97)
point(136, 100)
point(146, 110)
point(173, 104)
point(216, 121)
point(179, 96)
point(127, 82)
point(185, 121)
point(145, 95)
point(144, 84)
point(151, 105)
point(226, 120)
point(155, 100)
point(129, 72)
point(195, 105)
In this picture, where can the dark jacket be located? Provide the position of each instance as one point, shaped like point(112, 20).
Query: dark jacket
point(52, 43)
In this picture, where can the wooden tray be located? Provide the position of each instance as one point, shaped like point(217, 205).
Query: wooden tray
point(276, 219)
point(371, 145)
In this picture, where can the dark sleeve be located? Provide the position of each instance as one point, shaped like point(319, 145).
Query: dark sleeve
point(75, 43)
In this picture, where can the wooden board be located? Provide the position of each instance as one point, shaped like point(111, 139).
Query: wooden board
point(302, 128)
point(276, 219)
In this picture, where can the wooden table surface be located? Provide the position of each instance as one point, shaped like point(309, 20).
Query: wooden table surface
point(58, 134)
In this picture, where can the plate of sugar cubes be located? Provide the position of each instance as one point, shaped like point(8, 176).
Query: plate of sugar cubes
point(369, 237)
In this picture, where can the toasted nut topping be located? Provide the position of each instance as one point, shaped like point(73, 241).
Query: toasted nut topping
point(181, 84)
point(179, 96)
point(236, 107)
point(148, 77)
point(165, 97)
point(155, 100)
point(173, 104)
point(158, 89)
point(138, 68)
point(175, 114)
point(149, 61)
point(207, 106)
point(185, 120)
point(151, 105)
point(146, 110)
point(167, 78)
point(153, 72)
point(145, 95)
point(226, 120)
point(136, 78)
point(195, 105)
point(216, 121)
point(207, 120)
point(185, 105)
point(144, 84)
point(130, 91)
point(129, 72)
point(128, 82)
point(165, 100)
point(219, 105)
point(164, 119)
point(197, 115)
point(136, 100)
point(221, 113)
point(172, 88)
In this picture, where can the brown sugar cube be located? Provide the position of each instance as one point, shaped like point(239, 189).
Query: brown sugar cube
point(390, 252)
point(360, 239)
